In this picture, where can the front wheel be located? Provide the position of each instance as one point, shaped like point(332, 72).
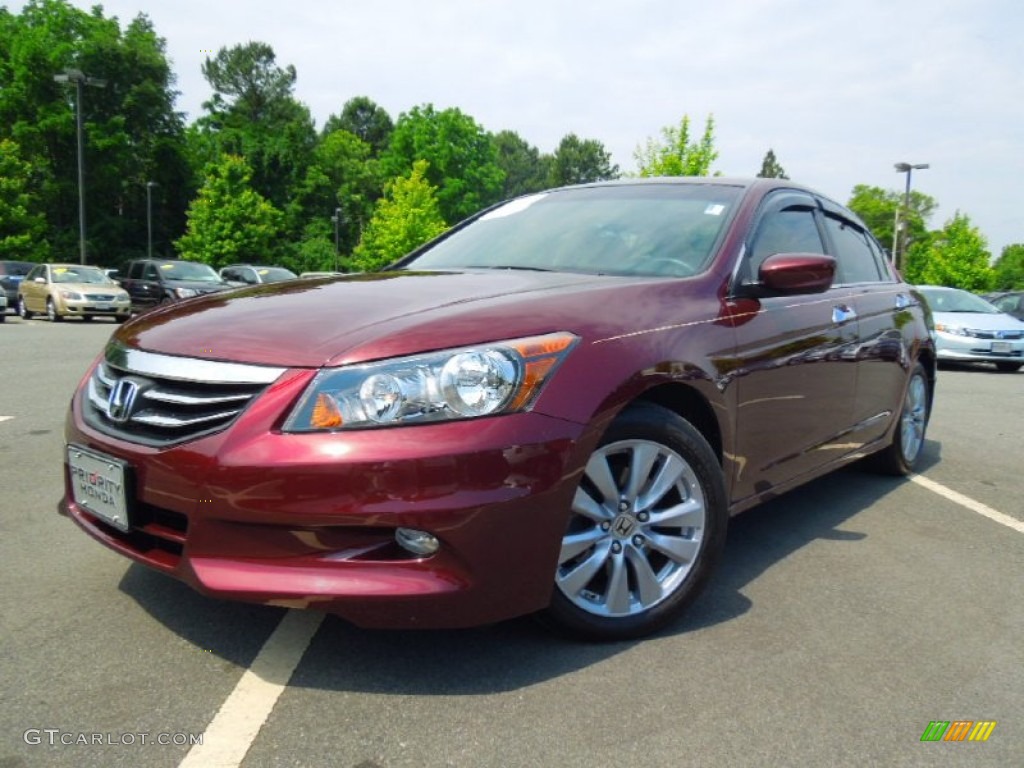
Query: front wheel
point(23, 312)
point(1008, 367)
point(647, 526)
point(51, 312)
point(902, 454)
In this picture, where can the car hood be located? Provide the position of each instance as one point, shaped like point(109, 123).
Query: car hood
point(979, 321)
point(90, 287)
point(316, 322)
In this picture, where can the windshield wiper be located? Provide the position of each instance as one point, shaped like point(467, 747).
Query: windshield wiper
point(507, 266)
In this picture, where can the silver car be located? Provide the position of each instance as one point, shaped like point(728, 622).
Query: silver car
point(969, 329)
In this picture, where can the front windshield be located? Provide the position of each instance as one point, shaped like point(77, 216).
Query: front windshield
point(629, 229)
point(79, 275)
point(957, 301)
point(189, 270)
point(274, 274)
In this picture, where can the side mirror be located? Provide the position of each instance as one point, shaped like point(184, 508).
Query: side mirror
point(791, 274)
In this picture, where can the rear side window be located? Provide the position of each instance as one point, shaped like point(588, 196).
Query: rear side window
point(856, 260)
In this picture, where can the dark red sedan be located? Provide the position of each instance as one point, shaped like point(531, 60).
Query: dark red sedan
point(555, 407)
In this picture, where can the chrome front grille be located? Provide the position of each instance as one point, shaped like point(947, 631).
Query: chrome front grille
point(100, 297)
point(998, 335)
point(160, 400)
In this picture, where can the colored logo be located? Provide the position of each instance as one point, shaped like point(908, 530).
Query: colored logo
point(958, 730)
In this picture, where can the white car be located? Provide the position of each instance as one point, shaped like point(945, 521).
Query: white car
point(968, 329)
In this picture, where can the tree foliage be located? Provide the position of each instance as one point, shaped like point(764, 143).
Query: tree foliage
point(1009, 268)
point(131, 133)
point(362, 117)
point(253, 114)
point(22, 227)
point(405, 218)
point(229, 221)
point(675, 154)
point(957, 257)
point(461, 158)
point(877, 207)
point(526, 169)
point(770, 167)
point(581, 161)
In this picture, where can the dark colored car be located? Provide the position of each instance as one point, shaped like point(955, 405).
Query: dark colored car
point(254, 274)
point(1010, 302)
point(555, 407)
point(11, 275)
point(152, 282)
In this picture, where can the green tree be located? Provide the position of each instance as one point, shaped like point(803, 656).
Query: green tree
point(770, 167)
point(230, 221)
point(1009, 268)
point(957, 257)
point(675, 154)
point(461, 158)
point(253, 114)
point(362, 117)
point(526, 170)
point(877, 208)
point(132, 135)
point(343, 176)
point(406, 217)
point(22, 227)
point(581, 161)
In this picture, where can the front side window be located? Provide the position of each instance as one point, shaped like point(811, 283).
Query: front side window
point(789, 230)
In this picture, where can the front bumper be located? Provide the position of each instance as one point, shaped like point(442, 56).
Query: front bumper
point(308, 520)
point(92, 308)
point(973, 350)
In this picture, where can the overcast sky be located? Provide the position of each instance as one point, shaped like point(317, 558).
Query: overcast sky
point(840, 91)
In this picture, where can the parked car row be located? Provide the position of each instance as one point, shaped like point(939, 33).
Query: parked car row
point(75, 290)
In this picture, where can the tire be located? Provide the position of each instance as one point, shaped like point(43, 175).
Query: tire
point(904, 452)
point(1008, 367)
point(23, 312)
point(51, 312)
point(3, 315)
point(87, 318)
point(636, 553)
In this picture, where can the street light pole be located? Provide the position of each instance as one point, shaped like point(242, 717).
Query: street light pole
point(899, 254)
point(336, 218)
point(77, 77)
point(149, 217)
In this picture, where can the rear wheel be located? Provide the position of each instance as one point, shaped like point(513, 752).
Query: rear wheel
point(1008, 367)
point(51, 312)
point(902, 454)
point(647, 525)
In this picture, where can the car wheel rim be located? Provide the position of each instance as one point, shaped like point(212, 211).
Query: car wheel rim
point(51, 311)
point(636, 529)
point(915, 413)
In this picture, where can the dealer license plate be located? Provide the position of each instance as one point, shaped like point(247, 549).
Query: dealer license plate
point(98, 485)
point(1001, 347)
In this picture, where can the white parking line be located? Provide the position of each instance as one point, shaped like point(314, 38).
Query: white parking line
point(6, 418)
point(969, 503)
point(235, 726)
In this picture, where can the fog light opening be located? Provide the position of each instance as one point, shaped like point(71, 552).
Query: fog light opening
point(418, 543)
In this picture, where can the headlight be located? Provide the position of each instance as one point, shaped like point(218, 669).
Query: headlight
point(185, 293)
point(71, 295)
point(954, 330)
point(123, 296)
point(460, 383)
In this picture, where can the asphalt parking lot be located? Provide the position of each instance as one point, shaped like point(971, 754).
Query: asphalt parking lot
point(848, 616)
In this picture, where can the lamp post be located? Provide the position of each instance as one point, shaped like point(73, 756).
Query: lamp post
point(336, 218)
point(899, 252)
point(149, 218)
point(79, 78)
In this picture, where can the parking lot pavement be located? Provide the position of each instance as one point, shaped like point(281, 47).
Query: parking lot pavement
point(847, 617)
